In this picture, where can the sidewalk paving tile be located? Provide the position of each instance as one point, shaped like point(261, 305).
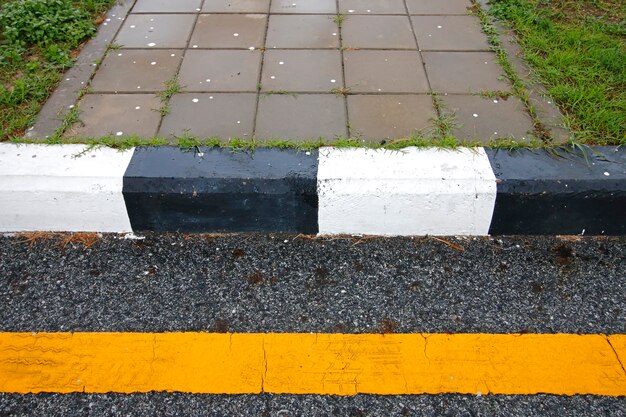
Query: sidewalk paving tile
point(434, 7)
point(156, 30)
point(304, 31)
point(167, 6)
point(210, 115)
point(301, 70)
point(220, 70)
point(229, 31)
point(449, 33)
point(464, 72)
point(118, 115)
point(380, 117)
point(304, 6)
point(481, 118)
point(143, 70)
point(378, 32)
point(301, 117)
point(385, 72)
point(372, 7)
point(236, 6)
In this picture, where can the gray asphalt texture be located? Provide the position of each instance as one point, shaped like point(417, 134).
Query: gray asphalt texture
point(263, 283)
point(286, 284)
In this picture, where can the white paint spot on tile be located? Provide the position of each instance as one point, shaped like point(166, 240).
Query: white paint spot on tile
point(153, 63)
point(119, 133)
point(152, 44)
point(334, 33)
point(138, 108)
point(252, 48)
point(195, 100)
point(235, 34)
point(350, 11)
point(194, 46)
point(210, 97)
point(120, 54)
point(238, 122)
point(495, 101)
point(333, 81)
point(173, 55)
point(281, 63)
point(71, 106)
point(273, 77)
point(607, 173)
point(133, 26)
point(439, 26)
point(475, 115)
point(208, 80)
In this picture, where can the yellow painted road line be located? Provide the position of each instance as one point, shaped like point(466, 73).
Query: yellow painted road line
point(337, 364)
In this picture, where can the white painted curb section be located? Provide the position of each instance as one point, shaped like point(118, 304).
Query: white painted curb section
point(408, 192)
point(51, 188)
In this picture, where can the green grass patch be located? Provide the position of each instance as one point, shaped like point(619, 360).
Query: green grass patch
point(39, 40)
point(577, 49)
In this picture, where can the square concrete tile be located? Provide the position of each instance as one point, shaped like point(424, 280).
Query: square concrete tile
point(118, 115)
point(464, 72)
point(449, 33)
point(438, 6)
point(217, 71)
point(385, 72)
point(378, 32)
point(304, 6)
point(484, 119)
point(229, 31)
point(301, 70)
point(372, 7)
point(311, 31)
point(210, 115)
point(303, 117)
point(156, 30)
point(167, 6)
point(381, 117)
point(236, 6)
point(136, 70)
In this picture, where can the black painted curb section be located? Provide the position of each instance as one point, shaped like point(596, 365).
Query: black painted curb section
point(564, 193)
point(219, 190)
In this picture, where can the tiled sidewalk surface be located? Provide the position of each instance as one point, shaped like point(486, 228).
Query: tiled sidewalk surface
point(293, 70)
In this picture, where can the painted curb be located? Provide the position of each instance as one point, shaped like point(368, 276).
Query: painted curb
point(332, 191)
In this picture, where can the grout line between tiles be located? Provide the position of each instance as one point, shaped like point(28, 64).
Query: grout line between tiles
point(343, 73)
point(258, 88)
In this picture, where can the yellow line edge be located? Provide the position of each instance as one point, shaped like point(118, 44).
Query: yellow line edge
point(313, 363)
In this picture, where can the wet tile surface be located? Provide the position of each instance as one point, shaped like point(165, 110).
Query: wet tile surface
point(156, 30)
point(483, 119)
point(229, 31)
point(143, 70)
point(449, 33)
point(308, 31)
point(304, 6)
point(385, 72)
point(464, 72)
point(302, 70)
point(118, 115)
point(285, 69)
point(383, 117)
point(236, 6)
point(208, 115)
point(303, 117)
point(434, 7)
point(372, 7)
point(379, 32)
point(217, 71)
point(167, 6)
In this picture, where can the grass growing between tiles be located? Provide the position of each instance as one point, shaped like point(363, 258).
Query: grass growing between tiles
point(577, 49)
point(39, 40)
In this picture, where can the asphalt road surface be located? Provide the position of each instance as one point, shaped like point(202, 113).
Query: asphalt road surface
point(281, 283)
